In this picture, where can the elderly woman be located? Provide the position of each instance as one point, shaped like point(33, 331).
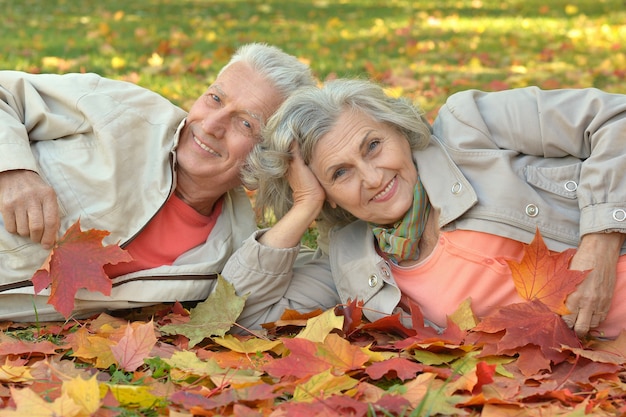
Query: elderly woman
point(430, 214)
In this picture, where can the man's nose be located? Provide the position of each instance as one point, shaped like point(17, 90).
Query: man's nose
point(215, 123)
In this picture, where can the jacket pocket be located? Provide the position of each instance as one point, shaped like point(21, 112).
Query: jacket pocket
point(562, 181)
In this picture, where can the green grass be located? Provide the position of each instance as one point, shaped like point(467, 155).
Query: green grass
point(423, 49)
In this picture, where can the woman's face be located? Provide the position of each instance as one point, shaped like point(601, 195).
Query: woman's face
point(366, 167)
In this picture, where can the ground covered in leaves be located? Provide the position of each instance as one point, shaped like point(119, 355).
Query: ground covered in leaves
point(305, 366)
point(522, 360)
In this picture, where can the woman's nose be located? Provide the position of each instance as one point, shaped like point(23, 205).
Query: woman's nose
point(371, 176)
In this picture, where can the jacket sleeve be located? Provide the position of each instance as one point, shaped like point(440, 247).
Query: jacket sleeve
point(278, 279)
point(587, 124)
point(37, 107)
point(40, 107)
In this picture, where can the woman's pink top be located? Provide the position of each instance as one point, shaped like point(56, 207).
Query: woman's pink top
point(471, 264)
point(175, 229)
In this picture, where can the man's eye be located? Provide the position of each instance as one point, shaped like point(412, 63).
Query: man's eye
point(213, 98)
point(247, 124)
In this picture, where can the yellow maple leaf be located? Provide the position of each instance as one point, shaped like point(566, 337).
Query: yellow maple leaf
point(323, 385)
point(29, 404)
point(92, 347)
point(239, 345)
point(85, 393)
point(11, 373)
point(317, 328)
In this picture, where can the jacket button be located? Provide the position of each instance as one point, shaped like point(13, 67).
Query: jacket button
point(456, 188)
point(385, 271)
point(373, 281)
point(571, 186)
point(619, 215)
point(532, 210)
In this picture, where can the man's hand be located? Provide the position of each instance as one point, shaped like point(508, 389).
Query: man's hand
point(590, 303)
point(29, 206)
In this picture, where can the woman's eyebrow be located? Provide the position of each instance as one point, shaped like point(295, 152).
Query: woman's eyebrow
point(365, 139)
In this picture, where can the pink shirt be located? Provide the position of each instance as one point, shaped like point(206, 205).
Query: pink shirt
point(470, 264)
point(175, 229)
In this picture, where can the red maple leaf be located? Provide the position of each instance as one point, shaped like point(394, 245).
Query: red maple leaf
point(76, 261)
point(401, 368)
point(529, 323)
point(545, 276)
point(484, 376)
point(353, 315)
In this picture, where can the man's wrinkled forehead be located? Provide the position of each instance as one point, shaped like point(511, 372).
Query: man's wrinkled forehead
point(218, 88)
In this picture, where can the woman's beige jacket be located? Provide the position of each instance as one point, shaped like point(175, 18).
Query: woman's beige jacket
point(108, 149)
point(505, 163)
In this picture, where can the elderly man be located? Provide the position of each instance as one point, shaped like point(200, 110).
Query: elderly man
point(165, 183)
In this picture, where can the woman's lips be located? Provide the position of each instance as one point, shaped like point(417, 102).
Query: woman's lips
point(381, 196)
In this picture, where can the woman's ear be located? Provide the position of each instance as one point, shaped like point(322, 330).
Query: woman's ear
point(332, 204)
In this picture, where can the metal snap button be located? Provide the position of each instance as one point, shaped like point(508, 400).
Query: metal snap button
point(456, 188)
point(373, 281)
point(619, 215)
point(532, 210)
point(571, 185)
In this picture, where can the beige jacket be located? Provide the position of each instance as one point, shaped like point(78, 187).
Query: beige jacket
point(503, 163)
point(108, 149)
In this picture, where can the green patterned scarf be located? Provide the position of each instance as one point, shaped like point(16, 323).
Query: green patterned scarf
point(400, 242)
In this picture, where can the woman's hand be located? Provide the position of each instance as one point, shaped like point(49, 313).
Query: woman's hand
point(29, 206)
point(589, 304)
point(308, 199)
point(306, 189)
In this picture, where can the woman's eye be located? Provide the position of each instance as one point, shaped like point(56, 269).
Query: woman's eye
point(247, 124)
point(373, 145)
point(338, 174)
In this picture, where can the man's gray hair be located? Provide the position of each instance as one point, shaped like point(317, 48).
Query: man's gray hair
point(284, 71)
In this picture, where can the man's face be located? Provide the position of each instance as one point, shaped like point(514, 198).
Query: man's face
point(222, 126)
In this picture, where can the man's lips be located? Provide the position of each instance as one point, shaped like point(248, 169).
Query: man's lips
point(205, 147)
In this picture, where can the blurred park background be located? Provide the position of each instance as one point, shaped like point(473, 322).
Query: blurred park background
point(424, 49)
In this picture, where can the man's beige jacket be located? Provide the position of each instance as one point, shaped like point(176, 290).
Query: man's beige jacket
point(108, 149)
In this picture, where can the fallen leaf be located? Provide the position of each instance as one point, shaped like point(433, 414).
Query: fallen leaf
point(85, 393)
point(76, 262)
point(30, 404)
point(546, 276)
point(323, 385)
point(135, 346)
point(317, 328)
point(212, 317)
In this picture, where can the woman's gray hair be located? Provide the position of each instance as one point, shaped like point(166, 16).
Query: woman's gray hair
point(284, 71)
point(306, 117)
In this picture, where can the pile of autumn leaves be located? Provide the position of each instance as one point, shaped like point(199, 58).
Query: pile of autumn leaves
point(522, 360)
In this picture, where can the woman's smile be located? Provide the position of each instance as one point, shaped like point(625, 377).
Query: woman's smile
point(387, 193)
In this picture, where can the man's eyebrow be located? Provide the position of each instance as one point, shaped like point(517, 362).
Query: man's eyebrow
point(248, 112)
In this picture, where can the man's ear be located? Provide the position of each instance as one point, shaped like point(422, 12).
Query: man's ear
point(332, 204)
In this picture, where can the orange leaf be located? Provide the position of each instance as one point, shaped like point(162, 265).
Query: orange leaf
point(545, 276)
point(76, 262)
